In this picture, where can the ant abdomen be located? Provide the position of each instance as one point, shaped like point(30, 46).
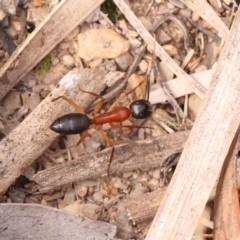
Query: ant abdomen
point(72, 123)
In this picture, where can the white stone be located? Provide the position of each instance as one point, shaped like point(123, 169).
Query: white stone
point(68, 60)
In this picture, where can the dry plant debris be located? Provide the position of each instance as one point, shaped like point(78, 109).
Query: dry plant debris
point(111, 41)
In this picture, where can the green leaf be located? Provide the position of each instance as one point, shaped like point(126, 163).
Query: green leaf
point(45, 65)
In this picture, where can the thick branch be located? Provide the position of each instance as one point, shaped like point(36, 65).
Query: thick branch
point(26, 142)
point(57, 25)
point(207, 146)
point(34, 221)
point(136, 155)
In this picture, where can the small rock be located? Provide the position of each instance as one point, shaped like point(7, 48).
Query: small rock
point(194, 104)
point(165, 71)
point(17, 25)
point(195, 16)
point(118, 184)
point(97, 197)
point(162, 37)
point(95, 63)
point(170, 49)
point(54, 196)
point(153, 184)
point(68, 60)
point(124, 61)
point(141, 135)
point(12, 32)
point(33, 101)
point(101, 43)
point(135, 43)
point(127, 174)
point(146, 23)
point(29, 172)
point(201, 68)
point(12, 101)
point(135, 176)
point(90, 211)
point(114, 191)
point(81, 191)
point(64, 46)
point(72, 34)
point(17, 195)
point(156, 173)
point(143, 66)
point(134, 80)
point(69, 197)
point(186, 12)
point(138, 190)
point(74, 207)
point(44, 202)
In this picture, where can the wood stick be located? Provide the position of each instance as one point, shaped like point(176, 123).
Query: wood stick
point(34, 221)
point(207, 146)
point(160, 52)
point(142, 155)
point(28, 141)
point(57, 25)
point(226, 206)
point(209, 15)
point(145, 207)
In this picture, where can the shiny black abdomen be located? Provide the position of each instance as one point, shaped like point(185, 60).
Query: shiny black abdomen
point(73, 123)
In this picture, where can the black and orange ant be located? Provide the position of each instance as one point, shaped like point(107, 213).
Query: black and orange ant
point(79, 123)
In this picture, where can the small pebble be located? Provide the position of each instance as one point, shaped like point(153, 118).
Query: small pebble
point(118, 184)
point(195, 16)
point(17, 196)
point(186, 12)
point(156, 173)
point(95, 63)
point(153, 184)
point(69, 197)
point(68, 60)
point(124, 61)
point(143, 65)
point(64, 46)
point(135, 176)
point(127, 174)
point(146, 23)
point(141, 135)
point(55, 61)
point(135, 43)
point(170, 49)
point(201, 68)
point(98, 197)
point(81, 191)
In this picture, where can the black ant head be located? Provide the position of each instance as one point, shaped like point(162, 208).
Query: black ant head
point(141, 109)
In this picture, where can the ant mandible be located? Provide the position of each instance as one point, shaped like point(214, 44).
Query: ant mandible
point(79, 123)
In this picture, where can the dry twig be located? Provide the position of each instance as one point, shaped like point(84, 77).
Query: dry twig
point(26, 142)
point(136, 155)
point(50, 32)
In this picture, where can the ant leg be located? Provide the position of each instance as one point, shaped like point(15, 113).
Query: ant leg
point(82, 137)
point(77, 107)
point(110, 142)
point(98, 106)
point(126, 94)
point(113, 125)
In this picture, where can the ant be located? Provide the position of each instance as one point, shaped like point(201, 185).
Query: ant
point(79, 123)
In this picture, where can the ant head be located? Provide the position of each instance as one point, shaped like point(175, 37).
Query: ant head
point(141, 109)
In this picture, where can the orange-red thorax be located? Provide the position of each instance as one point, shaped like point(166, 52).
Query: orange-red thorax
point(119, 114)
